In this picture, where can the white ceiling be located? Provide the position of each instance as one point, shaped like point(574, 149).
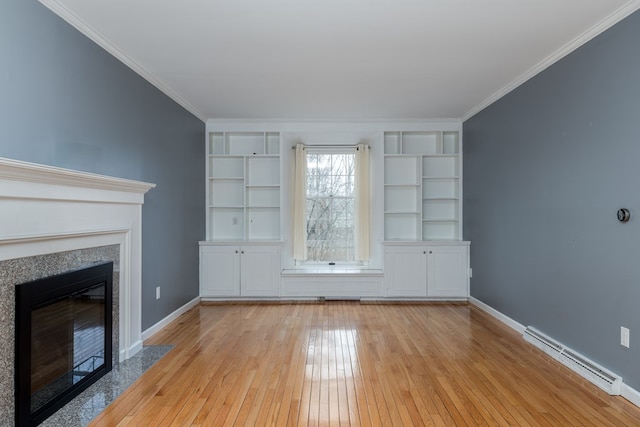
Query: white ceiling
point(339, 59)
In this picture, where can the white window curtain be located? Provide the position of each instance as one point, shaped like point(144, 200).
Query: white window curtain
point(300, 204)
point(363, 203)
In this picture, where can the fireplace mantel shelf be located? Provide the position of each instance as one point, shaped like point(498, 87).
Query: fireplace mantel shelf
point(66, 184)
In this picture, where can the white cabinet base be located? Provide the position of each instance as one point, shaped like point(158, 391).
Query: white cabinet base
point(219, 271)
point(405, 271)
point(426, 269)
point(233, 270)
point(260, 271)
point(416, 271)
point(448, 272)
point(296, 284)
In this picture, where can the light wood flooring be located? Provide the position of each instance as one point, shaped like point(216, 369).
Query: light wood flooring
point(352, 364)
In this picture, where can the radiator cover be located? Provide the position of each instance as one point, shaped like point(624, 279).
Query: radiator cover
point(596, 374)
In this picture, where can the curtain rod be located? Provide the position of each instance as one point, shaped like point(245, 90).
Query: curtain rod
point(293, 147)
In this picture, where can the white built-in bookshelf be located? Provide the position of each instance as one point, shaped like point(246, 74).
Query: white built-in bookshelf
point(243, 188)
point(422, 185)
point(417, 220)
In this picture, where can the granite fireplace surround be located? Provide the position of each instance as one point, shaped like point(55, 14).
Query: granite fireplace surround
point(54, 220)
point(21, 270)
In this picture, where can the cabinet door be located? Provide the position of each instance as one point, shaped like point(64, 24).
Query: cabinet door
point(219, 271)
point(447, 271)
point(405, 271)
point(260, 271)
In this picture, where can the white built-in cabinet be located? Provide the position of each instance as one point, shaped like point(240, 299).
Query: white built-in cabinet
point(242, 254)
point(243, 189)
point(424, 256)
point(422, 185)
point(435, 270)
point(248, 270)
point(418, 221)
point(405, 271)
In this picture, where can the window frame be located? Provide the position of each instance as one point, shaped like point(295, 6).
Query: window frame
point(337, 150)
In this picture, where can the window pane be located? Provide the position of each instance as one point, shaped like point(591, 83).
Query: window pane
point(340, 185)
point(323, 171)
point(350, 210)
point(312, 182)
point(330, 204)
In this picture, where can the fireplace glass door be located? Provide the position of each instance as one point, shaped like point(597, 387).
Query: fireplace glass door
point(63, 339)
point(67, 343)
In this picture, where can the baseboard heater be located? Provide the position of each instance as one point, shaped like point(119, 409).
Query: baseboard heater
point(584, 367)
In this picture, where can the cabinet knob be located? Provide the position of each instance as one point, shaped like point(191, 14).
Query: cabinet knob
point(236, 251)
point(241, 252)
point(424, 252)
point(430, 252)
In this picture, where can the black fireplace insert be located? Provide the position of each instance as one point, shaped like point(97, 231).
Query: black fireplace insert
point(63, 339)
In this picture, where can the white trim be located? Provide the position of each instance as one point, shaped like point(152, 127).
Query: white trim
point(75, 21)
point(131, 351)
point(45, 237)
point(240, 242)
point(284, 126)
point(632, 395)
point(426, 243)
point(574, 44)
point(495, 313)
point(333, 121)
point(148, 333)
point(20, 247)
point(17, 170)
point(275, 300)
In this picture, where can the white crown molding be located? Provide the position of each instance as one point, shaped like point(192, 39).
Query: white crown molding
point(333, 120)
point(574, 44)
point(79, 24)
point(321, 125)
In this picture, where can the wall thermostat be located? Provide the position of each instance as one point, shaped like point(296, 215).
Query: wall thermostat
point(623, 215)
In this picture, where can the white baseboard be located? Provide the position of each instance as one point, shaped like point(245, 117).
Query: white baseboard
point(135, 348)
point(170, 318)
point(627, 392)
point(495, 313)
point(258, 299)
point(632, 395)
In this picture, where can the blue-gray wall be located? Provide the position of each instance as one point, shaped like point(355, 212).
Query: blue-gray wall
point(545, 170)
point(66, 102)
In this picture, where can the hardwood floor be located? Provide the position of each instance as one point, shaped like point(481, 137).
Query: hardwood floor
point(351, 364)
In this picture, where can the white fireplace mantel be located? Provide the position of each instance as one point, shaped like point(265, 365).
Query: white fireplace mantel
point(45, 209)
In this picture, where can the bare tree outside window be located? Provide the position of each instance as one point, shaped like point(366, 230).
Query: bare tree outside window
point(330, 207)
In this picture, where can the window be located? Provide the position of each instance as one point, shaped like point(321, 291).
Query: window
point(330, 206)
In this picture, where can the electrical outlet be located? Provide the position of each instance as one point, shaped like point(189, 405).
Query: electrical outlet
point(624, 336)
point(234, 220)
point(157, 292)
